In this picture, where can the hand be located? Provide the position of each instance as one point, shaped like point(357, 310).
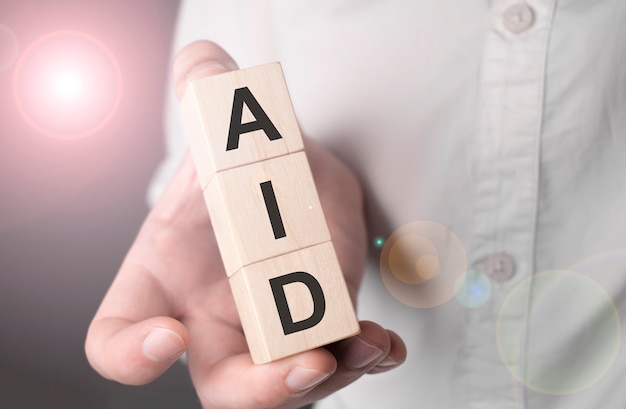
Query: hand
point(171, 294)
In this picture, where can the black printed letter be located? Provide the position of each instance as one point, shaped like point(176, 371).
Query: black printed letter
point(272, 210)
point(243, 95)
point(319, 302)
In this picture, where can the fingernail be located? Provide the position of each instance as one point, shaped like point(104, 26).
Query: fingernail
point(163, 345)
point(300, 379)
point(387, 362)
point(206, 68)
point(360, 354)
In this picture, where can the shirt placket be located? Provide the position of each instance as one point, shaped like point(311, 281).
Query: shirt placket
point(504, 165)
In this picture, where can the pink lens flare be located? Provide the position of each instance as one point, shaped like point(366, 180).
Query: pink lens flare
point(67, 85)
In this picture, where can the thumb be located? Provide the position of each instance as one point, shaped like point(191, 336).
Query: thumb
point(199, 59)
point(135, 353)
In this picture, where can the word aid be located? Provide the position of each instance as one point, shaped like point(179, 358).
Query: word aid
point(266, 215)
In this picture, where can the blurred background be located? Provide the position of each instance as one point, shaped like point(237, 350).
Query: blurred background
point(81, 104)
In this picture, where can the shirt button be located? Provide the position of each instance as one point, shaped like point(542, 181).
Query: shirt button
point(499, 267)
point(519, 18)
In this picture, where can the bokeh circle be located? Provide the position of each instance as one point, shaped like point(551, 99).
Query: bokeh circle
point(9, 48)
point(420, 263)
point(472, 289)
point(67, 85)
point(558, 332)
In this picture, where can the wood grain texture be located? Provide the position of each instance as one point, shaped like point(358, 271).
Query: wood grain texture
point(240, 217)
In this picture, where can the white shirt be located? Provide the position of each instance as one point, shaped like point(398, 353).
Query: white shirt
point(490, 136)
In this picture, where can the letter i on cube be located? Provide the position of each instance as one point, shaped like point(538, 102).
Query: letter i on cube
point(266, 215)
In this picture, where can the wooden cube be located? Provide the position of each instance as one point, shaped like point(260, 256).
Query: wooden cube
point(293, 303)
point(266, 214)
point(237, 118)
point(242, 201)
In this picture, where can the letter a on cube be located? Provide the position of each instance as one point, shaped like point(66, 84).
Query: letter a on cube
point(237, 118)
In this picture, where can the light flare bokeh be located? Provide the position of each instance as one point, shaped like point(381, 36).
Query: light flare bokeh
point(569, 337)
point(472, 289)
point(67, 85)
point(420, 263)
